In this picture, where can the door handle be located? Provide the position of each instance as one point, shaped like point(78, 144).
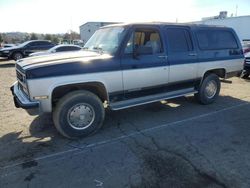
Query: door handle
point(192, 54)
point(162, 56)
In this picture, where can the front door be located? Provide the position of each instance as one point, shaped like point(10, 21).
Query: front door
point(144, 63)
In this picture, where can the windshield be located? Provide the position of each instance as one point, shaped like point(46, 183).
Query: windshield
point(105, 40)
point(53, 48)
point(24, 44)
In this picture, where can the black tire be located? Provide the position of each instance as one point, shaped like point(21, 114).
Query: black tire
point(72, 102)
point(245, 76)
point(17, 55)
point(207, 97)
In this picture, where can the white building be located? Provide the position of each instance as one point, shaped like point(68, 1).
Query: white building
point(240, 24)
point(89, 28)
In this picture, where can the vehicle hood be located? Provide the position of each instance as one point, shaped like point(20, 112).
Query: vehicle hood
point(55, 58)
point(39, 53)
point(66, 64)
point(9, 48)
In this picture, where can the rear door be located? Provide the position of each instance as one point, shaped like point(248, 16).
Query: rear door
point(43, 45)
point(31, 48)
point(147, 71)
point(182, 56)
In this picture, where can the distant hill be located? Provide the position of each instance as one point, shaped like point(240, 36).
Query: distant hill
point(19, 37)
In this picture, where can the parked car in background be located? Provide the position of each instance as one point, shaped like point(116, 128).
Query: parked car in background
point(58, 48)
point(246, 71)
point(246, 46)
point(26, 48)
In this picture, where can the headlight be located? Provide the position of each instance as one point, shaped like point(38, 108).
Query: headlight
point(6, 52)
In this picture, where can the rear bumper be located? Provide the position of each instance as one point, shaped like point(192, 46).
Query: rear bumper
point(21, 101)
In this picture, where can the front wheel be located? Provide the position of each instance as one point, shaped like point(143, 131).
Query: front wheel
point(17, 55)
point(245, 76)
point(78, 114)
point(209, 89)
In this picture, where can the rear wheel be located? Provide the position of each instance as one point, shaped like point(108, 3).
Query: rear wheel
point(209, 89)
point(78, 114)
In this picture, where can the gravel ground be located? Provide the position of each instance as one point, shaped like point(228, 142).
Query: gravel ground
point(178, 144)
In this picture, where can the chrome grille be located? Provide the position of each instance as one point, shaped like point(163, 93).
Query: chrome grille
point(248, 60)
point(21, 80)
point(20, 77)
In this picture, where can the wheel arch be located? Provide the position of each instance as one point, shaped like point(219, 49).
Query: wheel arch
point(220, 72)
point(98, 88)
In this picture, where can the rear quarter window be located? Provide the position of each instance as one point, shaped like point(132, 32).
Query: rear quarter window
point(216, 39)
point(179, 40)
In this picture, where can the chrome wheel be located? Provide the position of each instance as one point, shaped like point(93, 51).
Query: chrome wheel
point(211, 89)
point(18, 56)
point(81, 116)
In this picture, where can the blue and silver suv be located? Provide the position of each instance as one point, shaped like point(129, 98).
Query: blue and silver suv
point(127, 65)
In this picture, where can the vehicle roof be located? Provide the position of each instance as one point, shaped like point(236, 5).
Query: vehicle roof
point(165, 24)
point(38, 40)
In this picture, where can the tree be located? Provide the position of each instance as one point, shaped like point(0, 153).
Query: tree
point(27, 37)
point(48, 37)
point(74, 35)
point(55, 39)
point(33, 36)
point(1, 38)
point(66, 36)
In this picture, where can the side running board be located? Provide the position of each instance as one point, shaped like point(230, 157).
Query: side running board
point(151, 98)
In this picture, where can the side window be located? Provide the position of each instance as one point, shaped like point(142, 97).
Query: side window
point(74, 48)
point(147, 40)
point(67, 48)
point(39, 44)
point(179, 40)
point(63, 49)
point(31, 44)
point(45, 43)
point(216, 39)
point(60, 49)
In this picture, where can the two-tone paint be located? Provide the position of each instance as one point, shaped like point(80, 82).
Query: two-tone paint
point(122, 75)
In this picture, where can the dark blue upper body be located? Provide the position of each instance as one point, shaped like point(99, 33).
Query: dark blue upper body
point(200, 47)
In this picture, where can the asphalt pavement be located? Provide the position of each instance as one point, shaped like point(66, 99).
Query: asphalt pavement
point(177, 143)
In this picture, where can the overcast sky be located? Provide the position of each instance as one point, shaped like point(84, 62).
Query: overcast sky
point(59, 16)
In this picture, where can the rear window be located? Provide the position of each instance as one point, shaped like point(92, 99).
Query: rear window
point(216, 39)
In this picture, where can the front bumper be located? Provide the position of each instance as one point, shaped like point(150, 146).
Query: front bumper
point(4, 54)
point(22, 101)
